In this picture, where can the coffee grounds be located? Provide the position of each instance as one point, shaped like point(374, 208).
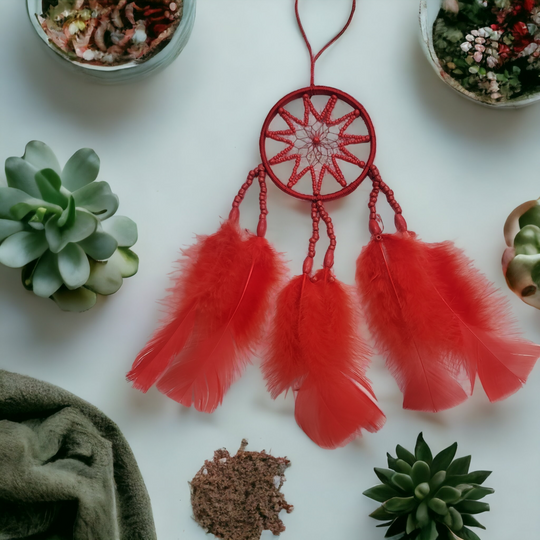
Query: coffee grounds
point(237, 498)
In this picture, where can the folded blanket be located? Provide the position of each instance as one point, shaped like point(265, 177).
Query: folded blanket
point(66, 471)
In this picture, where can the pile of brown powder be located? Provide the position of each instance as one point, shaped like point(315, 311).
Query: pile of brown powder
point(237, 498)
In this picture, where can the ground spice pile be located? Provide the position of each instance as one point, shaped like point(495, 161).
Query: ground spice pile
point(238, 497)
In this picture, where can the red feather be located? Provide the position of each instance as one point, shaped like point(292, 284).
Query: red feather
point(439, 321)
point(489, 344)
point(316, 352)
point(409, 321)
point(217, 310)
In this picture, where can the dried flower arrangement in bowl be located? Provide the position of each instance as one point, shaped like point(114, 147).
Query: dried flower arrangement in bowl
point(487, 50)
point(114, 40)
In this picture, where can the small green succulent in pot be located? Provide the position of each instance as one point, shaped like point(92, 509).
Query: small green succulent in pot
point(59, 226)
point(429, 498)
point(521, 259)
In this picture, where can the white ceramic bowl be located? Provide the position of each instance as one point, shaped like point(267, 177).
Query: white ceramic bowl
point(429, 10)
point(126, 72)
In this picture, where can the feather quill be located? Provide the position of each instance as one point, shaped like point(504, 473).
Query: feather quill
point(217, 309)
point(316, 352)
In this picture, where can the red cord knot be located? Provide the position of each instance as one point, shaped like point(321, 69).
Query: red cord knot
point(316, 140)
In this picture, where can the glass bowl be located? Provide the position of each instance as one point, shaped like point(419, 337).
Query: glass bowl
point(127, 72)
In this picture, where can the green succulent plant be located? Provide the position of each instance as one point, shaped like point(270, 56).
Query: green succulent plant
point(521, 260)
point(429, 498)
point(59, 226)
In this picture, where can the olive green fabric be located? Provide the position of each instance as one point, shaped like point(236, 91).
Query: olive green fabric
point(66, 471)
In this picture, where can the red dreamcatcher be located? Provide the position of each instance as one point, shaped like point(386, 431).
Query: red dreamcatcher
point(435, 318)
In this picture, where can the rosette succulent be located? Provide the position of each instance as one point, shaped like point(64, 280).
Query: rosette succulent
point(429, 498)
point(521, 260)
point(59, 226)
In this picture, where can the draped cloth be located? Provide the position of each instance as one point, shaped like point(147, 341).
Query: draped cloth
point(66, 470)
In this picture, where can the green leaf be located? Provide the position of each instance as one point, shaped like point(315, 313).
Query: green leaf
point(128, 262)
point(392, 462)
point(437, 480)
point(429, 532)
point(476, 477)
point(530, 217)
point(74, 266)
point(422, 451)
point(27, 274)
point(527, 240)
point(21, 248)
point(381, 493)
point(15, 204)
point(9, 227)
point(442, 460)
point(78, 300)
point(422, 491)
point(479, 493)
point(85, 224)
point(467, 534)
point(448, 494)
point(100, 245)
point(405, 455)
point(397, 527)
point(40, 156)
point(404, 482)
point(67, 219)
point(46, 279)
point(457, 520)
point(123, 229)
point(400, 505)
point(97, 198)
point(438, 506)
point(422, 514)
point(420, 473)
point(385, 476)
point(21, 175)
point(47, 181)
point(381, 514)
point(472, 507)
point(459, 466)
point(81, 169)
point(411, 524)
point(403, 467)
point(471, 521)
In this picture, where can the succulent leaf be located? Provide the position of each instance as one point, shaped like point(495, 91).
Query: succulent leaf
point(67, 219)
point(22, 176)
point(49, 185)
point(405, 455)
point(15, 204)
point(81, 169)
point(392, 462)
point(97, 198)
point(78, 300)
point(40, 156)
point(21, 248)
point(381, 493)
point(527, 240)
point(9, 227)
point(420, 473)
point(128, 262)
point(123, 229)
point(74, 266)
point(530, 217)
point(422, 451)
point(84, 225)
point(471, 521)
point(428, 502)
point(99, 245)
point(46, 279)
point(443, 459)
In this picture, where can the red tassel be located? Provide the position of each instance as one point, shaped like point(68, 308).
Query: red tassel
point(217, 310)
point(439, 321)
point(315, 351)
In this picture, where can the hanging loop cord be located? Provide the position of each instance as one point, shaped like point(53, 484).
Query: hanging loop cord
point(313, 57)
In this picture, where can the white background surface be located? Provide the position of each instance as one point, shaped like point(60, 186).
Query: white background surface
point(176, 148)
